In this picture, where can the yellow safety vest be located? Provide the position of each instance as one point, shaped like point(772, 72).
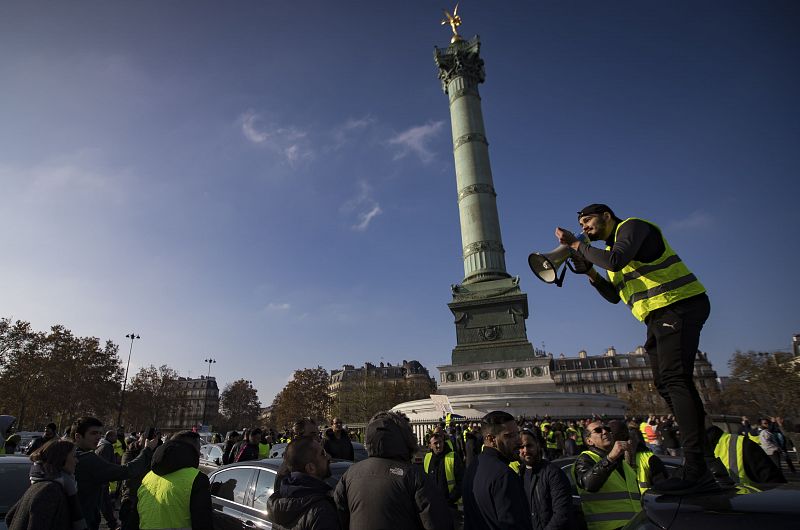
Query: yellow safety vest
point(515, 465)
point(164, 500)
point(646, 287)
point(729, 451)
point(263, 450)
point(643, 469)
point(578, 435)
point(617, 502)
point(550, 441)
point(449, 469)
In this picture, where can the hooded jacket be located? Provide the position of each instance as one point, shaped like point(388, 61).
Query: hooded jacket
point(385, 491)
point(175, 455)
point(341, 448)
point(303, 503)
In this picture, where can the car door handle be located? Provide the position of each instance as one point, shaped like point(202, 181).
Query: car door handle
point(250, 524)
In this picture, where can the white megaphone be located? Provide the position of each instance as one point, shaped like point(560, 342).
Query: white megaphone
point(545, 266)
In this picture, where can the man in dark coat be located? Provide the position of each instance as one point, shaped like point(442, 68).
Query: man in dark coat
point(49, 434)
point(231, 439)
point(546, 487)
point(304, 500)
point(337, 441)
point(472, 444)
point(248, 448)
point(93, 473)
point(494, 497)
point(385, 491)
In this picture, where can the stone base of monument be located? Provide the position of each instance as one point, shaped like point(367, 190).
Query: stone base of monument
point(555, 404)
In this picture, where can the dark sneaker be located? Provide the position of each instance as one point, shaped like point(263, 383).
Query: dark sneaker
point(683, 484)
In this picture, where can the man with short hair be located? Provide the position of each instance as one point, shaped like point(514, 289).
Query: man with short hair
point(105, 450)
point(92, 473)
point(175, 494)
point(661, 291)
point(444, 470)
point(386, 490)
point(494, 497)
point(546, 487)
point(337, 441)
point(303, 501)
point(49, 434)
point(305, 427)
point(607, 484)
point(248, 449)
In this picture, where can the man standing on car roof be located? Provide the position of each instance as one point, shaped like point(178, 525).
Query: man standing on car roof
point(661, 291)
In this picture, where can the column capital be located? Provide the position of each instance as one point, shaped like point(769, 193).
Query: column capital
point(460, 59)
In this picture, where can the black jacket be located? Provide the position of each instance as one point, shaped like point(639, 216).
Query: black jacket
point(494, 497)
point(171, 457)
point(243, 451)
point(549, 495)
point(341, 448)
point(303, 503)
point(385, 491)
point(93, 473)
point(472, 447)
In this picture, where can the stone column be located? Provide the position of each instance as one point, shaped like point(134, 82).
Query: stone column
point(461, 70)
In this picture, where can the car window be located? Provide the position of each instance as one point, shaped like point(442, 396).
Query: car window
point(231, 484)
point(266, 481)
point(215, 452)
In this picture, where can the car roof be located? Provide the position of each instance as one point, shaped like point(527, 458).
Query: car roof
point(14, 459)
point(275, 464)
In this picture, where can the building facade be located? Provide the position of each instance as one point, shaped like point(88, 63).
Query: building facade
point(408, 372)
point(619, 374)
point(196, 402)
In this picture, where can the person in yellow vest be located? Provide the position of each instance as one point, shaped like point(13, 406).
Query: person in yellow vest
point(550, 442)
point(746, 463)
point(444, 470)
point(607, 484)
point(649, 468)
point(647, 275)
point(175, 494)
point(263, 446)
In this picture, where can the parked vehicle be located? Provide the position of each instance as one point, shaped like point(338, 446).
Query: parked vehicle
point(239, 492)
point(14, 480)
point(359, 451)
point(26, 439)
point(210, 457)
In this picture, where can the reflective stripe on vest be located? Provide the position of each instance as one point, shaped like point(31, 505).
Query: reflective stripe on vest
point(164, 500)
point(729, 451)
point(649, 286)
point(551, 440)
point(617, 501)
point(449, 469)
point(643, 469)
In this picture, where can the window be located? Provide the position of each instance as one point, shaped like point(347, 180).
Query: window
point(231, 484)
point(266, 480)
point(215, 452)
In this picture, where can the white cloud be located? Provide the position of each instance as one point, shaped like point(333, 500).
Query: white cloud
point(367, 217)
point(365, 207)
point(289, 142)
point(414, 141)
point(694, 221)
point(272, 306)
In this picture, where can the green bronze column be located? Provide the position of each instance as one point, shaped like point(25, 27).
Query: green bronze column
point(461, 70)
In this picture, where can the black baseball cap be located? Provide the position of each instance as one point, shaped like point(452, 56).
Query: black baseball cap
point(595, 209)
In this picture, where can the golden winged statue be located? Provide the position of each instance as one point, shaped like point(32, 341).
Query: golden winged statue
point(453, 21)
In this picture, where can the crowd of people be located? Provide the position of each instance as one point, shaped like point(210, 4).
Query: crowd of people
point(496, 473)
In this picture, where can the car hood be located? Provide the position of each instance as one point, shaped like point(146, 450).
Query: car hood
point(772, 506)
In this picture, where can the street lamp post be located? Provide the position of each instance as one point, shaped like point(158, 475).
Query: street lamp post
point(132, 336)
point(210, 361)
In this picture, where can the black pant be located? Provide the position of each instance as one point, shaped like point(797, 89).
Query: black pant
point(673, 335)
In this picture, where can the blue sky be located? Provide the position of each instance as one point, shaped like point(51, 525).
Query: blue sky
point(272, 183)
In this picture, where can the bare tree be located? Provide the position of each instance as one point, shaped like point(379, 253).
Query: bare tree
point(153, 396)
